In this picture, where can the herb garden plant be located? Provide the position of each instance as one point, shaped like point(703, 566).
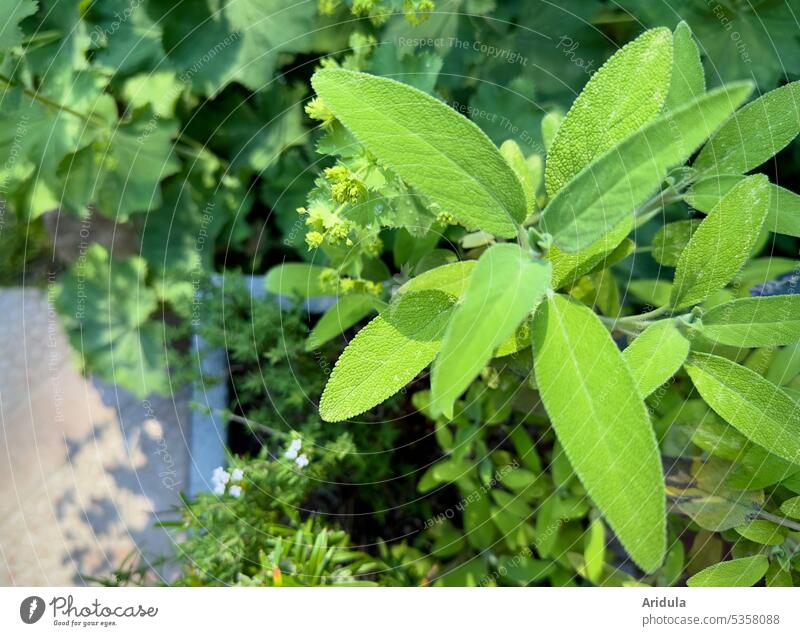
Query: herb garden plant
point(682, 415)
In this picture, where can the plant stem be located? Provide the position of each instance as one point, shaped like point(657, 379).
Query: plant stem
point(781, 521)
point(248, 422)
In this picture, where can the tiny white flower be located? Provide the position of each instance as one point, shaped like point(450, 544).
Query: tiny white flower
point(294, 449)
point(219, 478)
point(301, 461)
point(235, 491)
point(237, 474)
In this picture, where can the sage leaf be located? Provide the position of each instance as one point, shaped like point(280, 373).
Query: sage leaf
point(655, 355)
point(439, 152)
point(671, 239)
point(296, 280)
point(736, 573)
point(516, 160)
point(451, 279)
point(783, 216)
point(761, 411)
point(688, 80)
point(386, 354)
point(755, 133)
point(624, 94)
point(611, 187)
point(762, 321)
point(339, 318)
point(505, 286)
point(721, 244)
point(602, 424)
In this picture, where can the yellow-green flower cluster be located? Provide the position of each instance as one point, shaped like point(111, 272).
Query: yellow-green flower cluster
point(340, 285)
point(317, 109)
point(325, 226)
point(345, 188)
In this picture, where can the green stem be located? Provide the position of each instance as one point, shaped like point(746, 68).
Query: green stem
point(47, 101)
point(781, 521)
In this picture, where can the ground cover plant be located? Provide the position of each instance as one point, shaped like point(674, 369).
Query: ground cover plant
point(556, 248)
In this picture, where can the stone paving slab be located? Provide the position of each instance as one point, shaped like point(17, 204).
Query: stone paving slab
point(86, 469)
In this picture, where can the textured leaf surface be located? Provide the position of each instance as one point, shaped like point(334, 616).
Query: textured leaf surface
point(516, 160)
point(625, 93)
point(602, 423)
point(568, 268)
point(343, 315)
point(758, 409)
point(736, 573)
point(386, 354)
point(614, 184)
point(439, 152)
point(503, 289)
point(783, 215)
point(670, 241)
point(451, 279)
point(655, 355)
point(761, 321)
point(721, 244)
point(688, 80)
point(755, 133)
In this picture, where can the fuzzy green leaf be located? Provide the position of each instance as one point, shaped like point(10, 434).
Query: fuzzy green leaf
point(761, 321)
point(505, 286)
point(13, 11)
point(339, 318)
point(655, 355)
point(602, 423)
point(516, 160)
point(451, 279)
point(783, 216)
point(386, 354)
point(625, 93)
point(688, 79)
point(611, 187)
point(736, 573)
point(758, 409)
point(670, 241)
point(757, 132)
point(721, 244)
point(436, 150)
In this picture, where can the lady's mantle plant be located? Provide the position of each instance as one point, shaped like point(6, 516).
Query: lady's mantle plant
point(529, 289)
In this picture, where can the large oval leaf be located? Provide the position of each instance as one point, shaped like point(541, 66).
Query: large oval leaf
point(655, 355)
point(625, 93)
point(438, 151)
point(386, 354)
point(503, 289)
point(755, 133)
point(722, 242)
point(602, 423)
point(758, 409)
point(762, 321)
point(343, 315)
point(736, 573)
point(615, 183)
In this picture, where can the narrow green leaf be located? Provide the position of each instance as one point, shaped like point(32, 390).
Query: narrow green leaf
point(625, 93)
point(688, 80)
point(651, 292)
point(755, 133)
point(594, 552)
point(763, 532)
point(602, 423)
point(386, 354)
point(505, 286)
point(761, 321)
point(611, 187)
point(783, 216)
point(655, 355)
point(339, 318)
point(758, 409)
point(721, 244)
point(568, 268)
point(296, 280)
point(791, 507)
point(736, 573)
point(438, 151)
